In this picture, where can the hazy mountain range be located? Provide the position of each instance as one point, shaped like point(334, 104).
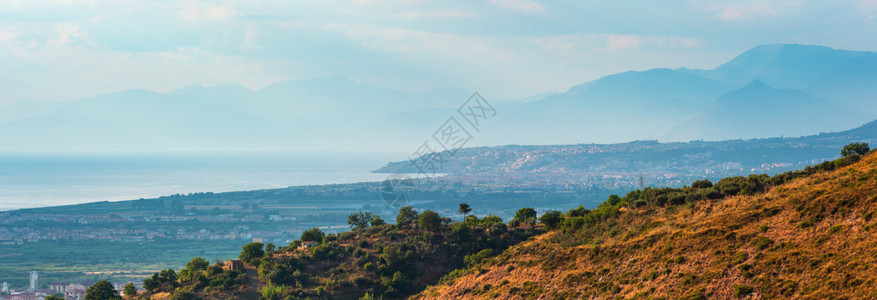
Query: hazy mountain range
point(770, 90)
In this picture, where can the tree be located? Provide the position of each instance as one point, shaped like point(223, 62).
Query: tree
point(551, 219)
point(131, 290)
point(197, 264)
point(53, 297)
point(360, 220)
point(152, 283)
point(429, 220)
point(855, 148)
point(269, 248)
point(525, 213)
point(251, 252)
point(464, 209)
point(102, 290)
point(490, 220)
point(168, 276)
point(314, 234)
point(377, 221)
point(702, 184)
point(407, 215)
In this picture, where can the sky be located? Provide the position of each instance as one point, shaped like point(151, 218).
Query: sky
point(61, 50)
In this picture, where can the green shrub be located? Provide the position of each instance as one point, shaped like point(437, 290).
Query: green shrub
point(363, 281)
point(474, 259)
point(805, 224)
point(762, 242)
point(742, 290)
point(551, 219)
point(271, 291)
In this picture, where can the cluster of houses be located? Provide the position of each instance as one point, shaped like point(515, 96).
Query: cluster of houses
point(70, 291)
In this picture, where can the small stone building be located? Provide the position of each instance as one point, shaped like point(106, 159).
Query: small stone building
point(308, 245)
point(233, 264)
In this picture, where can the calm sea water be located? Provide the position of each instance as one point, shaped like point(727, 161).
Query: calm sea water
point(29, 180)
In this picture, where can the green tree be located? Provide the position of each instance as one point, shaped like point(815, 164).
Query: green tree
point(251, 252)
point(269, 248)
point(151, 283)
point(168, 276)
point(102, 290)
point(464, 209)
point(525, 213)
point(702, 184)
point(855, 148)
point(407, 215)
point(51, 297)
point(551, 219)
point(197, 264)
point(360, 220)
point(377, 221)
point(490, 220)
point(131, 290)
point(314, 234)
point(429, 220)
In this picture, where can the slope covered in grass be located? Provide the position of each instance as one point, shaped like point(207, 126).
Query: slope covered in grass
point(807, 235)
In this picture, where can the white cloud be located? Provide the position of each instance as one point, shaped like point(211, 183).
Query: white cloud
point(417, 42)
point(870, 8)
point(9, 34)
point(196, 11)
point(444, 13)
point(250, 38)
point(67, 34)
point(612, 42)
point(748, 10)
point(617, 42)
point(520, 5)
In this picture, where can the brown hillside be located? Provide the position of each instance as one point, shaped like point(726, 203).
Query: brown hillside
point(813, 238)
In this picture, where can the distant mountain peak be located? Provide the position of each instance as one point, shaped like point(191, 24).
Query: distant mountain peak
point(782, 65)
point(757, 84)
point(788, 47)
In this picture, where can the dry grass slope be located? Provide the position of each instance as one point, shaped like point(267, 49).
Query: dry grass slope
point(813, 238)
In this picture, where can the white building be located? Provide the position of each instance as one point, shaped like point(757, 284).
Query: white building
point(34, 278)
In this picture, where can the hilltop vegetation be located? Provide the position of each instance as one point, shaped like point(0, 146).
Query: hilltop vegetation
point(375, 259)
point(803, 234)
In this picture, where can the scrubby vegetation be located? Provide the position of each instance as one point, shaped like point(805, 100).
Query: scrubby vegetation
point(374, 259)
point(800, 234)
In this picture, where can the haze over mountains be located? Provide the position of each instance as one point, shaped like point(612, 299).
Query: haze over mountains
point(770, 90)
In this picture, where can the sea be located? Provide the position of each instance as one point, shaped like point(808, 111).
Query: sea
point(40, 180)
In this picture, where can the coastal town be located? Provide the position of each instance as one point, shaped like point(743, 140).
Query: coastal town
point(65, 290)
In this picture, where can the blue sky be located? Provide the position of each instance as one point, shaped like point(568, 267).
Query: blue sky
point(64, 50)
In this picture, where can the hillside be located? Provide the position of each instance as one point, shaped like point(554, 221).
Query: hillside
point(391, 261)
point(808, 238)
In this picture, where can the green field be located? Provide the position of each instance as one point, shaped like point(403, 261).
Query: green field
point(70, 261)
